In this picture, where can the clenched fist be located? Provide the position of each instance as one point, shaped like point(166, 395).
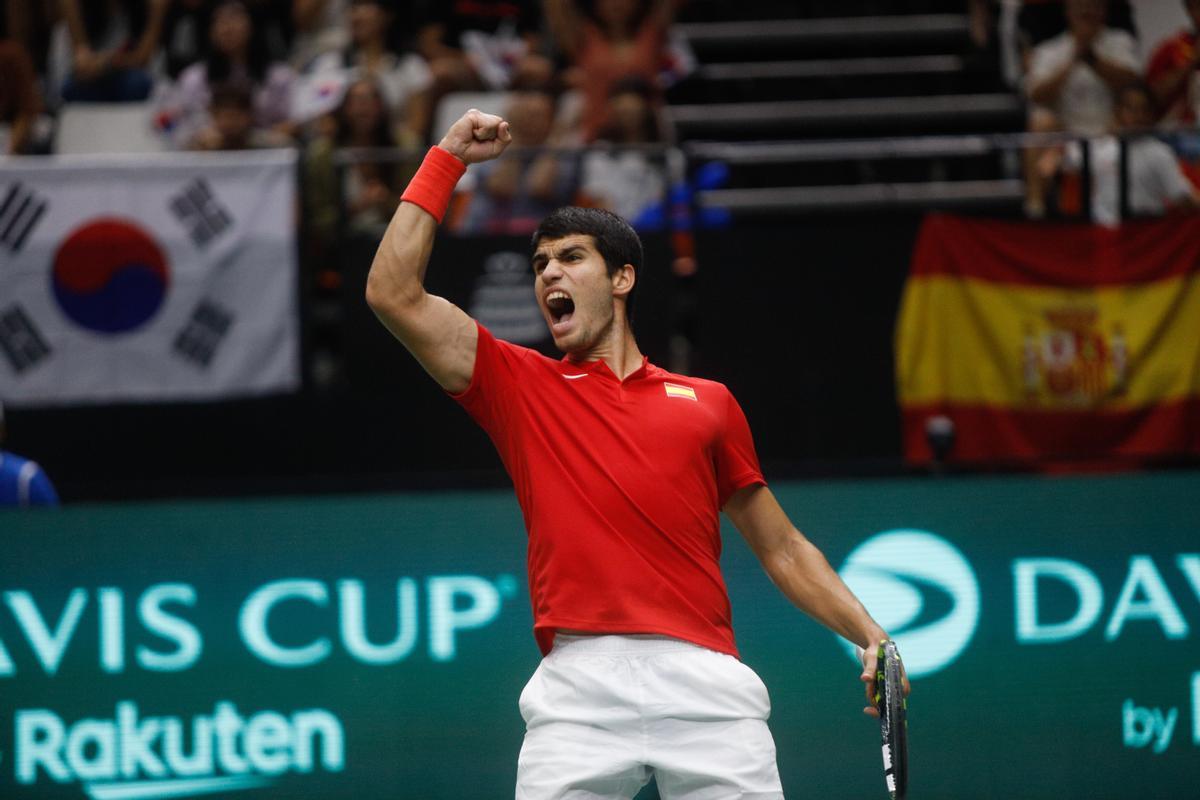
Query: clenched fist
point(476, 137)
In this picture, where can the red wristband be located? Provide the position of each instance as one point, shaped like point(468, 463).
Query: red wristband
point(434, 182)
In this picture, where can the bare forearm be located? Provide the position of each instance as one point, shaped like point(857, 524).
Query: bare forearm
point(805, 577)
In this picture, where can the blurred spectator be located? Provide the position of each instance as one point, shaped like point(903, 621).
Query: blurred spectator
point(31, 22)
point(512, 194)
point(235, 55)
point(621, 38)
point(113, 43)
point(1039, 20)
point(274, 18)
point(1172, 73)
point(231, 110)
point(1073, 77)
point(20, 103)
point(627, 181)
point(185, 30)
point(483, 44)
point(1071, 84)
point(404, 79)
point(320, 27)
point(368, 189)
point(22, 482)
point(1156, 180)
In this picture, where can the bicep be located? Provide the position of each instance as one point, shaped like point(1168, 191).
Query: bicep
point(440, 336)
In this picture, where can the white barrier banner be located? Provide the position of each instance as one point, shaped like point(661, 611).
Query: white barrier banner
point(153, 277)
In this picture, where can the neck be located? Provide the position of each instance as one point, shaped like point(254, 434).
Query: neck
point(618, 349)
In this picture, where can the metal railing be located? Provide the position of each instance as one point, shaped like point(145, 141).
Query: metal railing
point(683, 162)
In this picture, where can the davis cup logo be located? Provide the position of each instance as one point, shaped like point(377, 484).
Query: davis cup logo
point(109, 276)
point(907, 579)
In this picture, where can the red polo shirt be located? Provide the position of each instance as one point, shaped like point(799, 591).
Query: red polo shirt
point(621, 484)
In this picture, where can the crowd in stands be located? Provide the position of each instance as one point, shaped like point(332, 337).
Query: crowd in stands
point(1085, 75)
point(325, 75)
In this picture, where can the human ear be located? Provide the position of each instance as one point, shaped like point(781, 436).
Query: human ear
point(624, 279)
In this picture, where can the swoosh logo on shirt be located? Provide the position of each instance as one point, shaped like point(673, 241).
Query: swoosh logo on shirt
point(573, 377)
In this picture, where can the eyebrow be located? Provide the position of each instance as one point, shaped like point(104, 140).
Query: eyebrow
point(541, 257)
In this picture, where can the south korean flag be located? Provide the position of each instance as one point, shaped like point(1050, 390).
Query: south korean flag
point(155, 277)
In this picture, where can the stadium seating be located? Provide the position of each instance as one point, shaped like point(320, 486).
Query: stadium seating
point(797, 108)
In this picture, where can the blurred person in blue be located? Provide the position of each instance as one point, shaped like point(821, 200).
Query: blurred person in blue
point(113, 44)
point(22, 482)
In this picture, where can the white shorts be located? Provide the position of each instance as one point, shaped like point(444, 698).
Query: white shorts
point(605, 713)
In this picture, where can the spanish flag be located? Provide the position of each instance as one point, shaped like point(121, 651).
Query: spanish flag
point(1052, 342)
point(676, 390)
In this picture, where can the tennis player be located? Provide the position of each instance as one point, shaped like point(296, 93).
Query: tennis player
point(621, 470)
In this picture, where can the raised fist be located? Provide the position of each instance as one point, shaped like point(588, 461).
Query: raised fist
point(476, 137)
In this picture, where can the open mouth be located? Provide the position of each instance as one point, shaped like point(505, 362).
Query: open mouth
point(560, 306)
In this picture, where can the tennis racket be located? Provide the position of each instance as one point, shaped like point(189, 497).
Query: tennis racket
point(893, 719)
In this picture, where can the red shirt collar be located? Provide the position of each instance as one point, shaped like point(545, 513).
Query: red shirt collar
point(600, 367)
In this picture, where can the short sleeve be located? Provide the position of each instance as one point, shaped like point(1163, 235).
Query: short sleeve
point(736, 462)
point(495, 381)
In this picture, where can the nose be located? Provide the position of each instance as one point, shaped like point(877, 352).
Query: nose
point(552, 271)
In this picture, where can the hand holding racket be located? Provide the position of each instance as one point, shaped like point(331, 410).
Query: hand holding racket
point(887, 688)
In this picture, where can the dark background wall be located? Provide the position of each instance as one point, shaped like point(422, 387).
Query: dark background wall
point(795, 315)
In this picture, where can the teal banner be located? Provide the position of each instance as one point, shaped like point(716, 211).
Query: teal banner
point(374, 647)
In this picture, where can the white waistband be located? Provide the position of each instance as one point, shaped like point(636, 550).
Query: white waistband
point(632, 644)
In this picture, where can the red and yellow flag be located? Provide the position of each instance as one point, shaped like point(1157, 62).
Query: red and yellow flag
point(1052, 342)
